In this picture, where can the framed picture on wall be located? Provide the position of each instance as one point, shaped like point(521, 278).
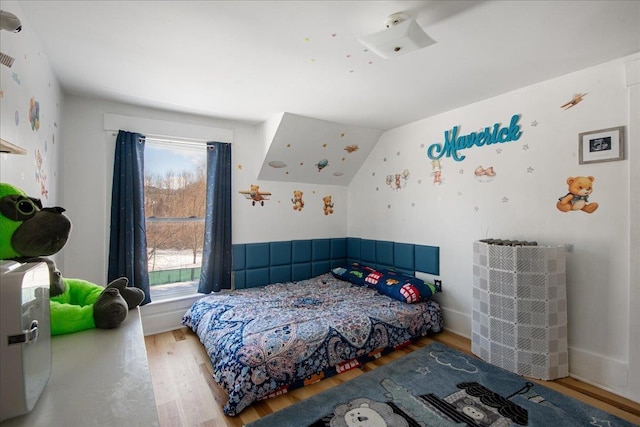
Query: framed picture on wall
point(604, 145)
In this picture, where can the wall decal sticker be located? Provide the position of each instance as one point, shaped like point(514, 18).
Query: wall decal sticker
point(239, 166)
point(322, 164)
point(255, 195)
point(577, 98)
point(436, 172)
point(505, 200)
point(534, 123)
point(34, 114)
point(297, 201)
point(41, 176)
point(398, 180)
point(16, 78)
point(324, 145)
point(327, 206)
point(484, 175)
point(454, 142)
point(351, 148)
point(525, 147)
point(338, 173)
point(577, 199)
point(277, 164)
point(530, 169)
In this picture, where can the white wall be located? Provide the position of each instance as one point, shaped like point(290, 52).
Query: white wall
point(519, 203)
point(29, 78)
point(89, 153)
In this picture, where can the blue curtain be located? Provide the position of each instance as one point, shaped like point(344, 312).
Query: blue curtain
point(216, 253)
point(128, 242)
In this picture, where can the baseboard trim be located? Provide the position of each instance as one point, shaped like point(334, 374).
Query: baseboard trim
point(591, 368)
point(457, 322)
point(600, 371)
point(164, 316)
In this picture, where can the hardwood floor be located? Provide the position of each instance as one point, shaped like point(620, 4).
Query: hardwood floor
point(186, 395)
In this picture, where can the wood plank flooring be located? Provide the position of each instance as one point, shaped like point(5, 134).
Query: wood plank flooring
point(186, 395)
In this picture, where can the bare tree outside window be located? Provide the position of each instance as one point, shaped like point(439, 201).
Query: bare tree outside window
point(175, 203)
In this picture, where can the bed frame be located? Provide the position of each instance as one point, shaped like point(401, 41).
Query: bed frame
point(259, 264)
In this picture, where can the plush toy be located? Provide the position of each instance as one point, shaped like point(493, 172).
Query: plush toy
point(28, 233)
point(580, 187)
point(328, 205)
point(297, 201)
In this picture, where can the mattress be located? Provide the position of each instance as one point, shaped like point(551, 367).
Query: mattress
point(265, 341)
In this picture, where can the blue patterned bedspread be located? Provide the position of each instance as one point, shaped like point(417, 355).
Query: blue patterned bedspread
point(266, 341)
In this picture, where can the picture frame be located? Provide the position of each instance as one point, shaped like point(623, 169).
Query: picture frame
point(603, 145)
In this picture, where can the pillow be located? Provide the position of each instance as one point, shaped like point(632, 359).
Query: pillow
point(354, 273)
point(402, 287)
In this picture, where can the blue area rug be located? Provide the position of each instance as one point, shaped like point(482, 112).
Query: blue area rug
point(439, 386)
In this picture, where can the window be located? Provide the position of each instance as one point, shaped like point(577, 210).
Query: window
point(175, 191)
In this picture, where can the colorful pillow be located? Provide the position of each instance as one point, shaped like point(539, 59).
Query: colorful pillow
point(393, 284)
point(354, 273)
point(402, 287)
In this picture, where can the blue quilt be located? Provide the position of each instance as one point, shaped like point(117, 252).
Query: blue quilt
point(265, 341)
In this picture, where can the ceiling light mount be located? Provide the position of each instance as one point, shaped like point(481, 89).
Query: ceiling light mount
point(402, 35)
point(395, 19)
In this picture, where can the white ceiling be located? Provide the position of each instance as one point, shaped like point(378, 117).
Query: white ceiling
point(252, 60)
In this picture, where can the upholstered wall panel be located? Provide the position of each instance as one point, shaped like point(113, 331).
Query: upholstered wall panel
point(427, 259)
point(280, 253)
point(404, 256)
point(301, 251)
point(258, 264)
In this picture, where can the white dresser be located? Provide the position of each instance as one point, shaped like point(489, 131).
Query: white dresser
point(519, 313)
point(98, 378)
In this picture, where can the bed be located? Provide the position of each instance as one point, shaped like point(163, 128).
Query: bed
point(266, 341)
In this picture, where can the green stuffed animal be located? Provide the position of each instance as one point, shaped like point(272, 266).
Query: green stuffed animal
point(28, 233)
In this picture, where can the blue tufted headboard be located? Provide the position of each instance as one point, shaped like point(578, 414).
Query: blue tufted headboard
point(258, 264)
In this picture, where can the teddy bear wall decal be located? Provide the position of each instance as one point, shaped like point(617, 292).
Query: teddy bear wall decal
point(297, 201)
point(256, 196)
point(577, 199)
point(327, 207)
point(31, 233)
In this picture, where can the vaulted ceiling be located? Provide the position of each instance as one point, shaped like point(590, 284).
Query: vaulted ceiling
point(255, 60)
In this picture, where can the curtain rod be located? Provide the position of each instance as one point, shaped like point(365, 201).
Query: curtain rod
point(164, 140)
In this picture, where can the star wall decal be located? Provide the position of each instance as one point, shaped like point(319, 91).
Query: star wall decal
point(351, 148)
point(499, 150)
point(505, 200)
point(530, 169)
point(525, 147)
point(534, 123)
